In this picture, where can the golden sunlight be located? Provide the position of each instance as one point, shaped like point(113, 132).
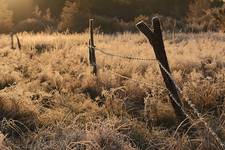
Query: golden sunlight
point(112, 74)
point(21, 8)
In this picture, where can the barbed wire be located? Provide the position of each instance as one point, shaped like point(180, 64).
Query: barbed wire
point(137, 81)
point(140, 59)
point(121, 56)
point(195, 110)
point(150, 85)
point(212, 132)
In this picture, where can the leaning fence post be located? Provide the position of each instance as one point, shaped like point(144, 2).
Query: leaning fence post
point(92, 58)
point(18, 42)
point(156, 40)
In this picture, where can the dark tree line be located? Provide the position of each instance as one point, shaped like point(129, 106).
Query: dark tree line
point(122, 9)
point(126, 9)
point(110, 15)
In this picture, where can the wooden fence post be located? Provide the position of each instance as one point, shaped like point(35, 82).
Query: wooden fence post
point(18, 42)
point(12, 41)
point(156, 40)
point(92, 58)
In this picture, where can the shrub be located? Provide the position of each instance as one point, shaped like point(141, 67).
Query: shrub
point(202, 17)
point(33, 25)
point(39, 22)
point(30, 24)
point(110, 25)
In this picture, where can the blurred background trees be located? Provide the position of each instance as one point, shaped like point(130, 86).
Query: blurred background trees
point(72, 17)
point(6, 17)
point(112, 15)
point(206, 15)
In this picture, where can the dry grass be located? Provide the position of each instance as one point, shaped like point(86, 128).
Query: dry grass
point(50, 100)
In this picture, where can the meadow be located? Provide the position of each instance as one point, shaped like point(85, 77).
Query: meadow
point(49, 99)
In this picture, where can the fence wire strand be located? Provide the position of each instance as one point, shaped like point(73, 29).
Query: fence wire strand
point(198, 114)
point(137, 81)
point(195, 110)
point(120, 56)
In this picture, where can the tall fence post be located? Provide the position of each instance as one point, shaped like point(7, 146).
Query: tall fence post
point(92, 58)
point(156, 40)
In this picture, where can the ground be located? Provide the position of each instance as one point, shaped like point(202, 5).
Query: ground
point(50, 100)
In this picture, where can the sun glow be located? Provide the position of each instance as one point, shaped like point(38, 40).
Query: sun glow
point(21, 8)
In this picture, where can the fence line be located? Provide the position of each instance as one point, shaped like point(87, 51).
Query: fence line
point(195, 110)
point(103, 51)
point(155, 39)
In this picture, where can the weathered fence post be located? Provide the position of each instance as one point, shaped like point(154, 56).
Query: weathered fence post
point(156, 40)
point(92, 58)
point(18, 42)
point(12, 41)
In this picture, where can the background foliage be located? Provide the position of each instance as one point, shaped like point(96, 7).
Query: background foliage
point(111, 15)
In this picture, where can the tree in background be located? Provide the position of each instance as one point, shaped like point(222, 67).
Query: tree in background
point(39, 21)
point(55, 6)
point(44, 16)
point(6, 17)
point(111, 15)
point(172, 8)
point(217, 3)
point(117, 15)
point(205, 15)
point(197, 8)
point(70, 9)
point(73, 18)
